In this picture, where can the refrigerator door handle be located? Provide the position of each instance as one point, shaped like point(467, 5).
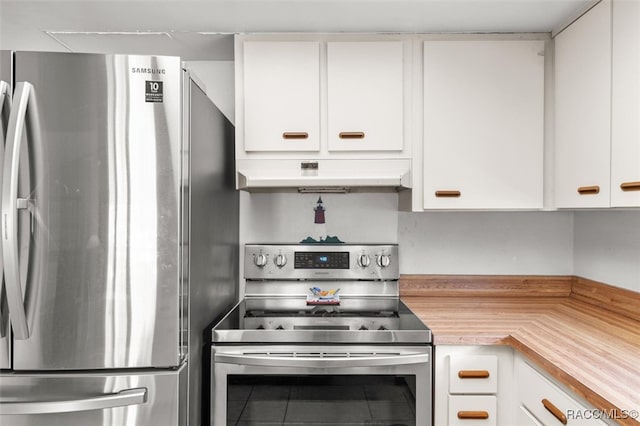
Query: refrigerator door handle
point(119, 399)
point(5, 102)
point(21, 117)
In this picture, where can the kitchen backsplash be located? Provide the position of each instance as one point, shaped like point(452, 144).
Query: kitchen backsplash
point(486, 243)
point(607, 247)
point(291, 217)
point(602, 246)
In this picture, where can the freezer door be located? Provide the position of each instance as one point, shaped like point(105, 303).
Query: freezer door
point(6, 80)
point(97, 234)
point(157, 398)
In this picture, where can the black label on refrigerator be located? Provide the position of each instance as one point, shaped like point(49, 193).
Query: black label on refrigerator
point(153, 91)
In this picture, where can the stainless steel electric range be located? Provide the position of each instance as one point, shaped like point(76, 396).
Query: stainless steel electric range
point(321, 337)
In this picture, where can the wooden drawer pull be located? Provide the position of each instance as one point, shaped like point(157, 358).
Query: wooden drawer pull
point(589, 190)
point(448, 194)
point(473, 415)
point(630, 186)
point(295, 135)
point(557, 413)
point(473, 374)
point(351, 135)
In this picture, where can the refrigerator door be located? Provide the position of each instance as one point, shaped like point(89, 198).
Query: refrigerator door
point(6, 80)
point(98, 273)
point(142, 399)
point(214, 236)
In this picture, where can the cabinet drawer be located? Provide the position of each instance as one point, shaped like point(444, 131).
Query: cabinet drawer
point(525, 418)
point(473, 374)
point(473, 410)
point(549, 404)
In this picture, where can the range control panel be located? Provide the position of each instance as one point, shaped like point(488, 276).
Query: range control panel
point(309, 262)
point(321, 260)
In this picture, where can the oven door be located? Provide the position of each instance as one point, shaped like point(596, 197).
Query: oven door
point(321, 385)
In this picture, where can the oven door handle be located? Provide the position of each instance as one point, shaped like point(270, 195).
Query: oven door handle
point(309, 361)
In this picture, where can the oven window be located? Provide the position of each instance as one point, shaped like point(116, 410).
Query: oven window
point(321, 400)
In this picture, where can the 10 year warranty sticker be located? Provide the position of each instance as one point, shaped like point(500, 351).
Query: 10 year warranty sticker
point(153, 91)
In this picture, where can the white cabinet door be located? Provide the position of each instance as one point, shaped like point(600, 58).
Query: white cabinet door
point(281, 96)
point(582, 110)
point(625, 114)
point(365, 96)
point(483, 124)
point(489, 402)
point(525, 418)
point(548, 403)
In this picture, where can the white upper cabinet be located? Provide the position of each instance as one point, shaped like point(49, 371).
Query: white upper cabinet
point(583, 110)
point(323, 112)
point(483, 124)
point(365, 96)
point(281, 96)
point(625, 131)
point(322, 97)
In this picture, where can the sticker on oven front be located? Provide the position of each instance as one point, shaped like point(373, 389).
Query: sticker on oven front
point(323, 297)
point(153, 91)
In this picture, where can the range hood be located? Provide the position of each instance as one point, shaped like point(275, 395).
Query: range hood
point(375, 175)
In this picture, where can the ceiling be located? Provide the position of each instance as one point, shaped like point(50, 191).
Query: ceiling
point(200, 30)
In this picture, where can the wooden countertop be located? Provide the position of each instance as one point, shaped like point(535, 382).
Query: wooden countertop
point(584, 334)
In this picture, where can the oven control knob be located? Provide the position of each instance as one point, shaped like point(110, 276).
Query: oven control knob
point(279, 327)
point(362, 327)
point(383, 260)
point(280, 260)
point(364, 260)
point(382, 327)
point(260, 260)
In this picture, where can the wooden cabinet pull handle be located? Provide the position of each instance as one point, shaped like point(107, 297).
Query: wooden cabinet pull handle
point(351, 135)
point(630, 186)
point(295, 135)
point(448, 194)
point(473, 374)
point(557, 413)
point(474, 415)
point(589, 190)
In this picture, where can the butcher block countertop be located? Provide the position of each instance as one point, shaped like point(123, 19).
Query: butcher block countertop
point(584, 334)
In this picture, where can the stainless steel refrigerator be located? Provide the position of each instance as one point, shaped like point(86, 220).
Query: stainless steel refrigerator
point(119, 232)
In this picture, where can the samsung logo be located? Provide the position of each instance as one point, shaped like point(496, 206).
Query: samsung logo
point(135, 70)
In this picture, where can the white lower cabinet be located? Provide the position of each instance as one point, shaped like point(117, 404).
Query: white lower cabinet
point(493, 385)
point(544, 400)
point(525, 418)
point(472, 385)
point(478, 410)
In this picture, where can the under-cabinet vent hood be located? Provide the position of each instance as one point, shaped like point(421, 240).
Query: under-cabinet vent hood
point(376, 175)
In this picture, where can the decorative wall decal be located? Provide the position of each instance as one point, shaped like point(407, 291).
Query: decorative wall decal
point(319, 217)
point(319, 221)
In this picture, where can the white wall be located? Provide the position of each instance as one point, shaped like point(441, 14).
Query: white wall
point(539, 243)
point(289, 217)
point(603, 246)
point(607, 247)
point(218, 78)
point(486, 243)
